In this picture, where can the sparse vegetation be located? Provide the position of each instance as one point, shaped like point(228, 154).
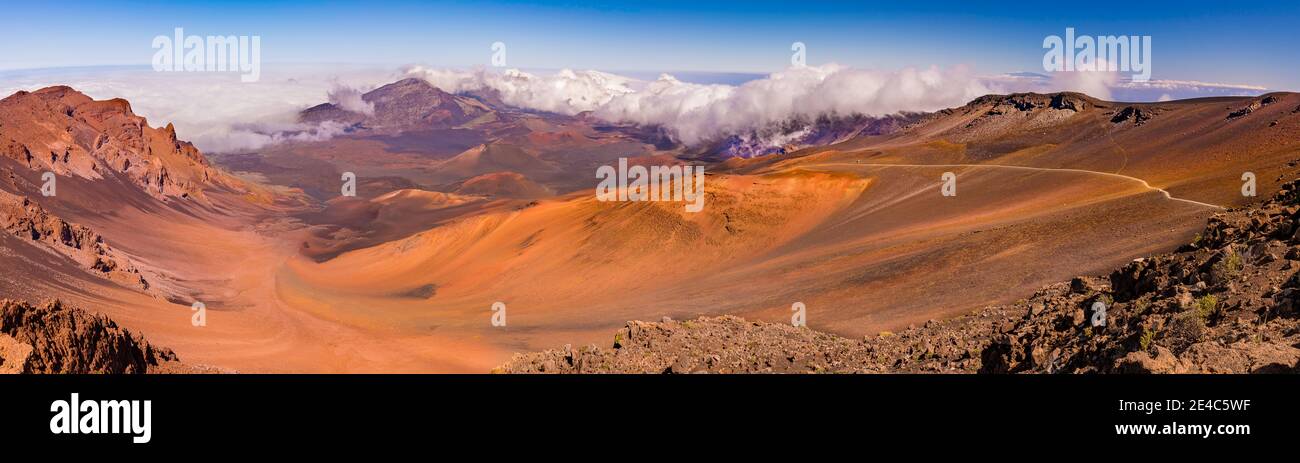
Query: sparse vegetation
point(1205, 306)
point(1229, 267)
point(1140, 306)
point(1148, 335)
point(1185, 329)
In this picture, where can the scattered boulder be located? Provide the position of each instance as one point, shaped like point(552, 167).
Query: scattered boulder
point(1252, 107)
point(1137, 116)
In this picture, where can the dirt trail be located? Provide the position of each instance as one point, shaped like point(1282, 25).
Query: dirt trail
point(1038, 169)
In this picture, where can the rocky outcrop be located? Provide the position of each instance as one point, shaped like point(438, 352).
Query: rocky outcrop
point(1245, 110)
point(60, 130)
point(54, 338)
point(1253, 106)
point(25, 219)
point(1027, 102)
point(1133, 114)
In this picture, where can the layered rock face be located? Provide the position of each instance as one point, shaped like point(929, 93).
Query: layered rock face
point(54, 338)
point(25, 219)
point(60, 130)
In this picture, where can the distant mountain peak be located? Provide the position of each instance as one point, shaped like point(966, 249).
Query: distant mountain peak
point(412, 82)
point(409, 103)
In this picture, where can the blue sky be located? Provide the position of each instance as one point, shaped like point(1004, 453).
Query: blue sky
point(1225, 42)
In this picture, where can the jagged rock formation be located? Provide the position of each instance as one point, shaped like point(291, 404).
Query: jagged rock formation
point(1136, 115)
point(1027, 102)
point(54, 338)
point(25, 219)
point(60, 130)
point(1253, 106)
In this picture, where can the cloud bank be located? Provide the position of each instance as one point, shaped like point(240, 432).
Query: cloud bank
point(696, 112)
point(220, 114)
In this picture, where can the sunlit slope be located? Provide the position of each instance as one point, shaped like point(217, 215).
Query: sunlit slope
point(1197, 149)
point(865, 248)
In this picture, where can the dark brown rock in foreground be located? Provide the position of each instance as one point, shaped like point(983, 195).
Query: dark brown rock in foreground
point(1226, 303)
point(54, 338)
point(729, 344)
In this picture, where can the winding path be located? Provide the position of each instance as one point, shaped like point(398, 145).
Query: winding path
point(1039, 169)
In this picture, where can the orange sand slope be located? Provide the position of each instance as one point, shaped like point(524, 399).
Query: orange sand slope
point(866, 249)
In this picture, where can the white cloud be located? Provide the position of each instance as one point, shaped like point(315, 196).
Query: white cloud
point(696, 112)
point(349, 99)
point(566, 91)
point(215, 111)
